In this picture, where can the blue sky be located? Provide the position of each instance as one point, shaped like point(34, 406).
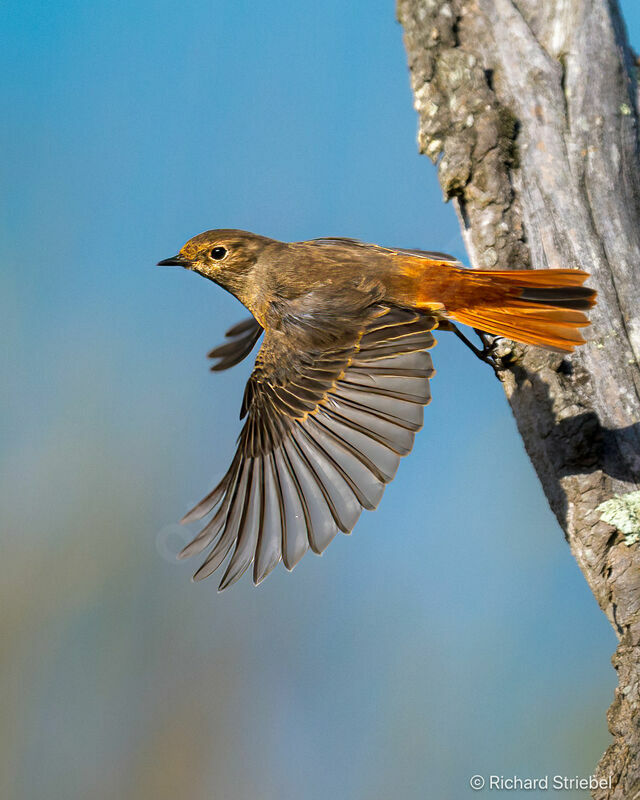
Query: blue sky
point(451, 634)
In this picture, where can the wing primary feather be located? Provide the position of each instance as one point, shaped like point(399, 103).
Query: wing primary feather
point(269, 547)
point(395, 437)
point(373, 372)
point(385, 390)
point(262, 466)
point(211, 530)
point(409, 415)
point(244, 326)
point(296, 470)
point(294, 532)
point(393, 366)
point(343, 437)
point(412, 386)
point(398, 438)
point(249, 528)
point(321, 526)
point(349, 403)
point(224, 349)
point(358, 472)
point(302, 449)
point(230, 532)
point(243, 337)
point(346, 502)
point(379, 459)
point(213, 498)
point(207, 535)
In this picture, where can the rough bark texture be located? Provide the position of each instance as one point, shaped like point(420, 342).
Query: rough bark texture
point(529, 109)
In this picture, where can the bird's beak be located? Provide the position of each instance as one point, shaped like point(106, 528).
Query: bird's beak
point(175, 261)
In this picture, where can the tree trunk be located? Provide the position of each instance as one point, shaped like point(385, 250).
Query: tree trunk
point(529, 109)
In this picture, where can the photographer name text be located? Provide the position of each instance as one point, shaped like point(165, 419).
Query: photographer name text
point(508, 783)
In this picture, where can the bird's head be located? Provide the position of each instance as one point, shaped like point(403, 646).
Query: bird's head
point(225, 256)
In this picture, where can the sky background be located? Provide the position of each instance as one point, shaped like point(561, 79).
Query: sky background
point(451, 634)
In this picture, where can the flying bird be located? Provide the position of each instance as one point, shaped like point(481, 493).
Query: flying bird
point(341, 379)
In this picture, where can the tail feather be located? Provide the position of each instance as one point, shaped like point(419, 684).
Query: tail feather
point(560, 336)
point(578, 297)
point(540, 307)
point(544, 278)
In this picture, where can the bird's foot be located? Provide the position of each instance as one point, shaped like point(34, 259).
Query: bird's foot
point(487, 353)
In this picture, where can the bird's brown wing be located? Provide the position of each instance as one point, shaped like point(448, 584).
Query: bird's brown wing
point(431, 255)
point(242, 338)
point(324, 433)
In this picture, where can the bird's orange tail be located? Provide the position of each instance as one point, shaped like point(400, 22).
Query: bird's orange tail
point(540, 307)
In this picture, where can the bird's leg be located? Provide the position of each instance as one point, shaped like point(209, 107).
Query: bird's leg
point(487, 353)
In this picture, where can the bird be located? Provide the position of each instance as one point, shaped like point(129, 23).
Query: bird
point(341, 378)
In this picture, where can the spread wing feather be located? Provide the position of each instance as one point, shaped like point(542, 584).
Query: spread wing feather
point(243, 337)
point(324, 434)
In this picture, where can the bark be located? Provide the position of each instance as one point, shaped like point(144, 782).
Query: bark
point(529, 109)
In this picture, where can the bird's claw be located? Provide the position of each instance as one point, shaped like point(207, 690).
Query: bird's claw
point(489, 354)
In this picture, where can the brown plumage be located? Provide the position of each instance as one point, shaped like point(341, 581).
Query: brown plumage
point(342, 376)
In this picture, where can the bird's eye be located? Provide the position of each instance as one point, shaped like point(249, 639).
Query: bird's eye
point(218, 253)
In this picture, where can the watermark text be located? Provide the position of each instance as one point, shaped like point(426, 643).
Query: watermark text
point(558, 783)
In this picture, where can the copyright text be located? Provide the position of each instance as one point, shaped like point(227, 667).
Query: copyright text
point(507, 783)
